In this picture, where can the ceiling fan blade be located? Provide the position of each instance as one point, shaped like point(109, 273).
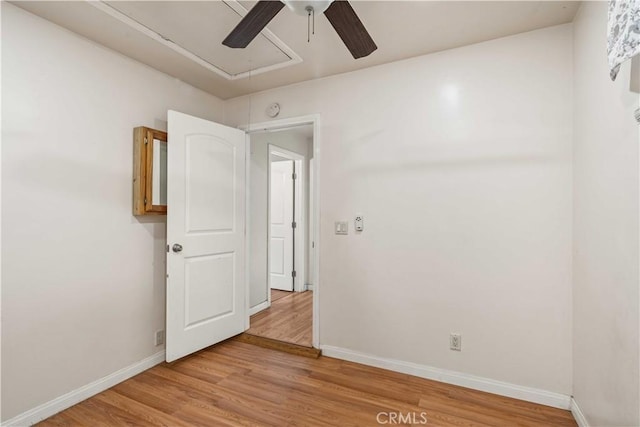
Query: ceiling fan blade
point(350, 29)
point(252, 23)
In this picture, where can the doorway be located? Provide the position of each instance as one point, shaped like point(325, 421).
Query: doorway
point(209, 231)
point(281, 236)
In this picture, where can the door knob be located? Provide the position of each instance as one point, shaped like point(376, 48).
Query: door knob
point(177, 247)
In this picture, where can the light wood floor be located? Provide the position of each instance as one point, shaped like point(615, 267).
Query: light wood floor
point(238, 384)
point(288, 319)
point(277, 294)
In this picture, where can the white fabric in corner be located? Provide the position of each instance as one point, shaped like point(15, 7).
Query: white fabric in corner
point(623, 33)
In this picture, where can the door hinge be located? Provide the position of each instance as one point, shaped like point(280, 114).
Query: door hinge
point(294, 176)
point(167, 251)
point(145, 200)
point(294, 224)
point(293, 274)
point(146, 141)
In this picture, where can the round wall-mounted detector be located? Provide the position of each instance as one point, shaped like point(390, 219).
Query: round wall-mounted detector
point(273, 110)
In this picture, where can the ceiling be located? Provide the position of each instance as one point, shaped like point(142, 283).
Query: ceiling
point(184, 38)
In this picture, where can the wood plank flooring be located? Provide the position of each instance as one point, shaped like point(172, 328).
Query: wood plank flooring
point(276, 294)
point(289, 318)
point(238, 384)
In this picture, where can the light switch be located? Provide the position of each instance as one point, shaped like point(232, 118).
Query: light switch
point(342, 227)
point(359, 222)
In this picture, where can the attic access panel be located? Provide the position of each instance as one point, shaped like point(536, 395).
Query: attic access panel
point(199, 27)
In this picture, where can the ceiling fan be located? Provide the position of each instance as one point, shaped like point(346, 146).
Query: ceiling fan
point(339, 13)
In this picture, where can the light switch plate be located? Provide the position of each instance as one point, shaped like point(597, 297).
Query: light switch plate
point(342, 227)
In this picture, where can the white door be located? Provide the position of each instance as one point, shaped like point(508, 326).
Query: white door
point(205, 234)
point(281, 214)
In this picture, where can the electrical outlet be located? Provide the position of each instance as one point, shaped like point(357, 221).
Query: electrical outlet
point(455, 342)
point(159, 337)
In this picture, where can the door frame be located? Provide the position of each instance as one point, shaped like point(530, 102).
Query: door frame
point(314, 200)
point(299, 214)
point(312, 217)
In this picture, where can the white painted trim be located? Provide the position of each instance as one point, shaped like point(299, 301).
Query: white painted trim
point(315, 192)
point(258, 308)
point(310, 246)
point(280, 124)
point(300, 235)
point(529, 394)
point(65, 401)
point(294, 58)
point(247, 232)
point(578, 414)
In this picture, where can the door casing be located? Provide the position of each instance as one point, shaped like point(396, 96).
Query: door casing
point(281, 124)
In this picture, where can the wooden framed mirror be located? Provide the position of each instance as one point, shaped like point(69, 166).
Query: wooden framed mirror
point(149, 171)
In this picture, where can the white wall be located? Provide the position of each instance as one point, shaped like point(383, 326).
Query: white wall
point(289, 140)
point(83, 287)
point(460, 162)
point(606, 216)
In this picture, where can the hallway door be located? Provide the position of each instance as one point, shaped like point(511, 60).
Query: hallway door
point(281, 205)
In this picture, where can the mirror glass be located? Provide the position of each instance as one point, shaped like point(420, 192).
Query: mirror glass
point(159, 178)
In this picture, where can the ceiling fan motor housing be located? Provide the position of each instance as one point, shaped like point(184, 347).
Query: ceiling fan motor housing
point(301, 7)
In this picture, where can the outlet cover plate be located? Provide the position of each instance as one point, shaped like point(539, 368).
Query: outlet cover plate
point(159, 339)
point(455, 342)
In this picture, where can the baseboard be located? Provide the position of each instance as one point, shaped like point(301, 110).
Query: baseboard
point(258, 308)
point(308, 287)
point(578, 414)
point(528, 394)
point(65, 401)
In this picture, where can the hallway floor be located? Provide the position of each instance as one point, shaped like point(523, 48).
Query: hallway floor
point(288, 319)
